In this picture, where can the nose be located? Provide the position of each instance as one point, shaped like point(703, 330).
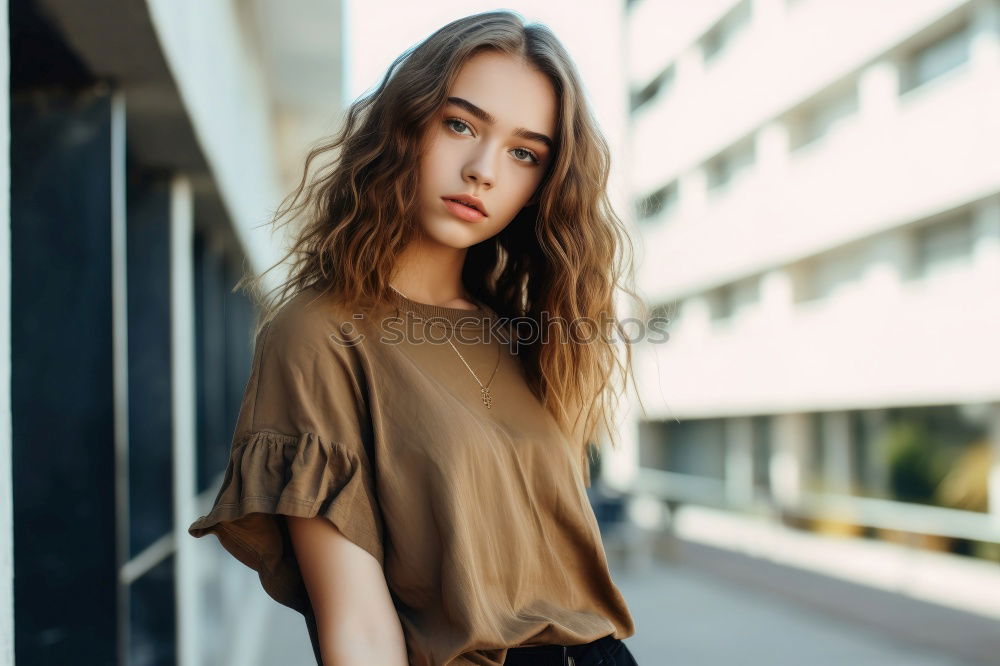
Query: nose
point(479, 169)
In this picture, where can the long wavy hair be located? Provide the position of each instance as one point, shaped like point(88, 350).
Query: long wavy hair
point(564, 253)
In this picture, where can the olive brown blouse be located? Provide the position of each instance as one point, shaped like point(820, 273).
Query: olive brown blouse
point(478, 516)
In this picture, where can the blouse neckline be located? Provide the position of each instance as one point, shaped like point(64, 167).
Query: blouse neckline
point(455, 316)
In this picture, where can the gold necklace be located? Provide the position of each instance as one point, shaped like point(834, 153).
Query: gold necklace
point(483, 389)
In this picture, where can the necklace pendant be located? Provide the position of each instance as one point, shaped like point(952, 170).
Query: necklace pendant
point(487, 397)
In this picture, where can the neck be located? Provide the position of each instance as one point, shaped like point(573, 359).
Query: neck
point(431, 273)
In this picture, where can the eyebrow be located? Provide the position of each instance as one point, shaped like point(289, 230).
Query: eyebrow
point(488, 118)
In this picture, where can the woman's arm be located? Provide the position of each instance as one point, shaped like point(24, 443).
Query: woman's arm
point(355, 617)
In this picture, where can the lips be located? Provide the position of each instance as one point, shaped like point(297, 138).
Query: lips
point(464, 204)
point(467, 200)
point(462, 211)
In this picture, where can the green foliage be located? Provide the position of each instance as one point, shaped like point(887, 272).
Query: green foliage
point(915, 463)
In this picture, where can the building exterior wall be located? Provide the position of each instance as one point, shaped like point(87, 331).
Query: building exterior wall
point(816, 185)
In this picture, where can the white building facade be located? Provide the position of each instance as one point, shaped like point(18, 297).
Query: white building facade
point(817, 190)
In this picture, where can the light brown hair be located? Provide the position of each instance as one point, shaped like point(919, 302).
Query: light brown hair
point(564, 254)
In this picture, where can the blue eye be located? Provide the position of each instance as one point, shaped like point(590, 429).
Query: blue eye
point(452, 121)
point(532, 157)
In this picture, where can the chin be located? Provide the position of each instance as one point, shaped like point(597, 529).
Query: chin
point(456, 234)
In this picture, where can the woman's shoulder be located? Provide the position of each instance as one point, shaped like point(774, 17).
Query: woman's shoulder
point(312, 320)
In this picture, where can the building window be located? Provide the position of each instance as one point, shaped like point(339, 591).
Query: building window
point(723, 169)
point(722, 34)
point(728, 300)
point(836, 270)
point(696, 447)
point(660, 82)
point(944, 244)
point(762, 452)
point(658, 202)
point(932, 60)
point(822, 117)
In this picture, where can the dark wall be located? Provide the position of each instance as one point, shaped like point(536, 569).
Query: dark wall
point(71, 605)
point(61, 379)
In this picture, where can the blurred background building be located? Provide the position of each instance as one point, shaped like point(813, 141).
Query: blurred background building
point(817, 194)
point(814, 189)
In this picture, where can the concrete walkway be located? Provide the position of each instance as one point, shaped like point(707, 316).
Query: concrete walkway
point(684, 617)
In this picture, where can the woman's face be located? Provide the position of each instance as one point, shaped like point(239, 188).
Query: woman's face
point(491, 140)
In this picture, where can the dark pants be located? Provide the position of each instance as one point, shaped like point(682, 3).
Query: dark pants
point(606, 651)
point(313, 636)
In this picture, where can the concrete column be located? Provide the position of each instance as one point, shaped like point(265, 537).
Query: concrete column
point(878, 93)
point(985, 47)
point(690, 68)
point(692, 192)
point(695, 317)
point(183, 415)
point(994, 476)
point(772, 149)
point(986, 239)
point(875, 468)
point(789, 458)
point(890, 263)
point(739, 461)
point(837, 467)
point(777, 295)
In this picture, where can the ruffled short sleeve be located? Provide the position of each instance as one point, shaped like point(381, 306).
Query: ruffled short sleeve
point(302, 447)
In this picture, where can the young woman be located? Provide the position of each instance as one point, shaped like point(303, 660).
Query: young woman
point(409, 467)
